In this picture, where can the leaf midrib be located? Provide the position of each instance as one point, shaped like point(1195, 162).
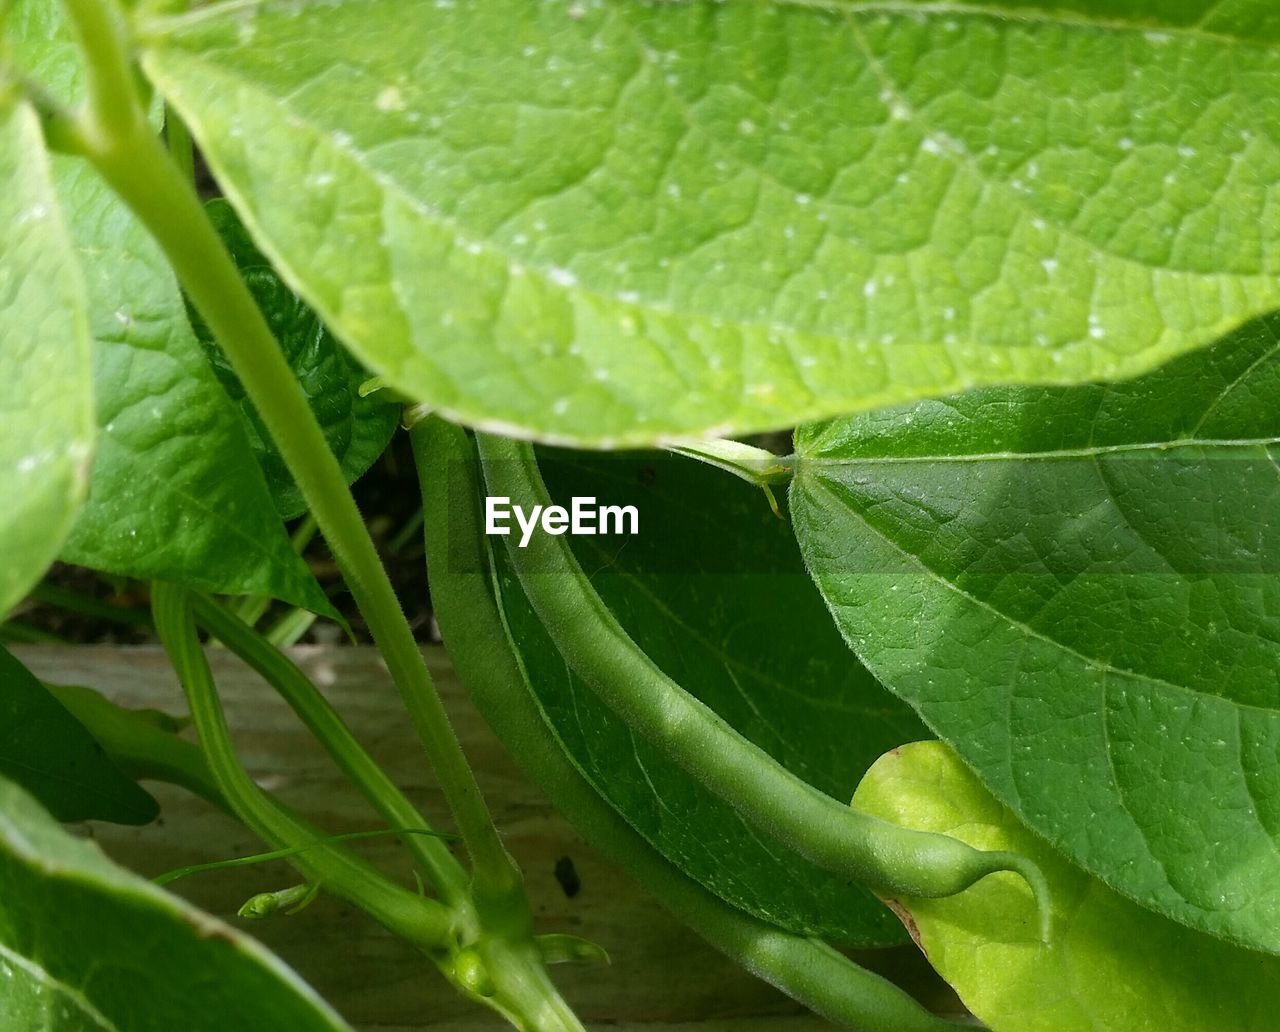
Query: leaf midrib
point(1089, 452)
point(1104, 667)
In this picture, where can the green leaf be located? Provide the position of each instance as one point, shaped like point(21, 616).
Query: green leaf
point(51, 755)
point(46, 401)
point(608, 223)
point(1112, 965)
point(176, 493)
point(144, 744)
point(713, 589)
point(1079, 590)
point(357, 428)
point(86, 945)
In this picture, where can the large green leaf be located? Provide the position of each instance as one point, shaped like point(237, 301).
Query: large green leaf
point(1079, 590)
point(85, 945)
point(1112, 966)
point(46, 402)
point(357, 428)
point(49, 753)
point(176, 493)
point(713, 589)
point(607, 222)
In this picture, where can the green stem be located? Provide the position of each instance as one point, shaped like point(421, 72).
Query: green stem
point(892, 860)
point(290, 628)
point(754, 465)
point(276, 854)
point(406, 533)
point(180, 147)
point(251, 608)
point(114, 114)
point(315, 711)
point(134, 162)
point(424, 922)
point(303, 533)
point(478, 641)
point(60, 125)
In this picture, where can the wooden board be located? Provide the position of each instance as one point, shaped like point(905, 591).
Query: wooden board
point(663, 978)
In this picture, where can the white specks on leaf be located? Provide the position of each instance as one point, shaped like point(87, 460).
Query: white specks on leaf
point(390, 99)
point(33, 214)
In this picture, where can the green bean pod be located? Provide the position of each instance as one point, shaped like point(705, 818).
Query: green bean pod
point(460, 573)
point(891, 860)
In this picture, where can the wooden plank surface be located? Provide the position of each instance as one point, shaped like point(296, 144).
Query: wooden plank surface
point(663, 978)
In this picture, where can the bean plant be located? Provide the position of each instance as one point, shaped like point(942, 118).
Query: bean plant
point(988, 659)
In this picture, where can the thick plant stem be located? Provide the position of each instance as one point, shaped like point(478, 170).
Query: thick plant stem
point(424, 922)
point(890, 859)
point(314, 710)
point(461, 588)
point(118, 141)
